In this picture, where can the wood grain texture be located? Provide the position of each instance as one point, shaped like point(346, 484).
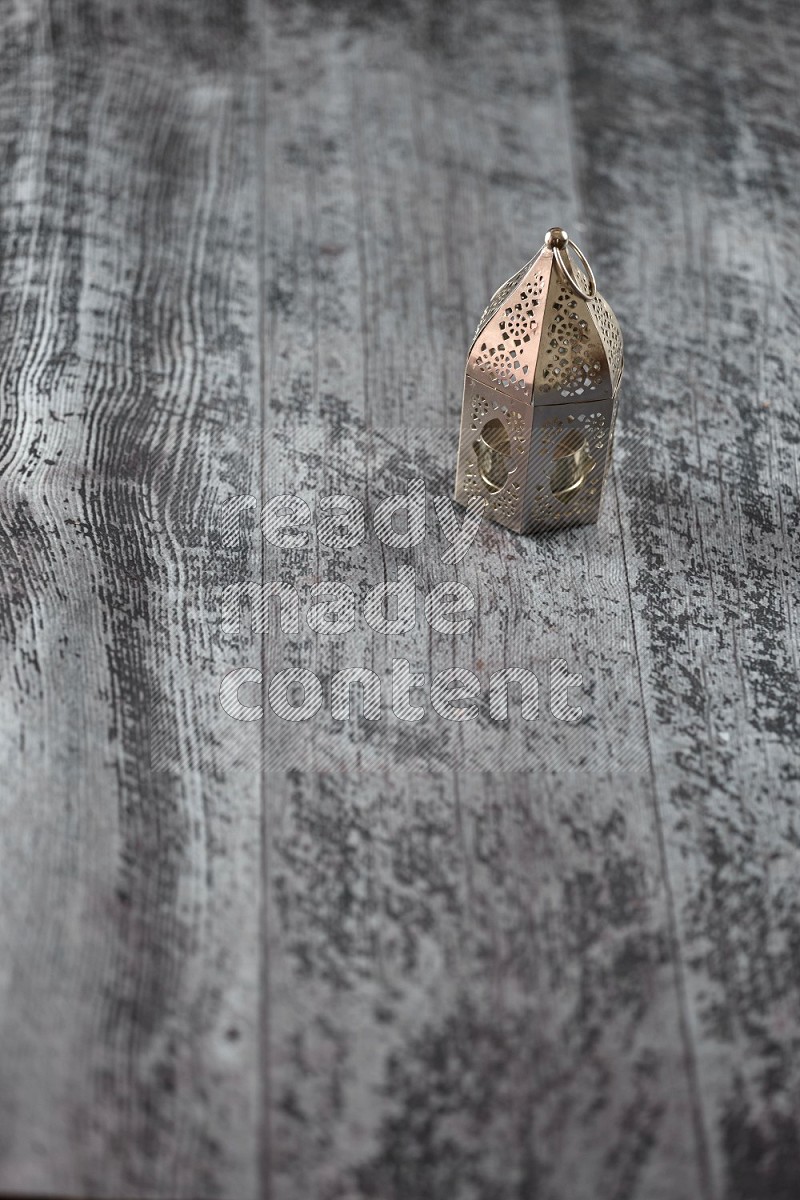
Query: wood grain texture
point(244, 250)
point(130, 974)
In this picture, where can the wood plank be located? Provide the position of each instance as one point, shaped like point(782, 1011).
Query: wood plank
point(687, 160)
point(472, 989)
point(129, 877)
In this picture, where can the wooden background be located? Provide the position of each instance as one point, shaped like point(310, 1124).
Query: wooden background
point(243, 251)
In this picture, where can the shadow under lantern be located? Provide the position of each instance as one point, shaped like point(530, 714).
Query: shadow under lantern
point(540, 395)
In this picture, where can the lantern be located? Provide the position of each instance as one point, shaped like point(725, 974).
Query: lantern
point(540, 395)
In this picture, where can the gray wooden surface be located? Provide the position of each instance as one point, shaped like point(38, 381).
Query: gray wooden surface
point(242, 254)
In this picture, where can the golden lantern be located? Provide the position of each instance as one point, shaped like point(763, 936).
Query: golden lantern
point(540, 395)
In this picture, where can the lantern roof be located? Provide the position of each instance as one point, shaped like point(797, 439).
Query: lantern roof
point(544, 339)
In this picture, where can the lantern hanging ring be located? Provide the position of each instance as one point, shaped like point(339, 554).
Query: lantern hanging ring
point(559, 241)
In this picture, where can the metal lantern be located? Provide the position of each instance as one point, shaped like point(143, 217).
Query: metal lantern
point(540, 395)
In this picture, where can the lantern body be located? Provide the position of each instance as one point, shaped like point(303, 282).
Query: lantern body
point(540, 397)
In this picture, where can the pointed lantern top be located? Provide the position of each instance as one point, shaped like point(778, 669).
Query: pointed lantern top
point(547, 335)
